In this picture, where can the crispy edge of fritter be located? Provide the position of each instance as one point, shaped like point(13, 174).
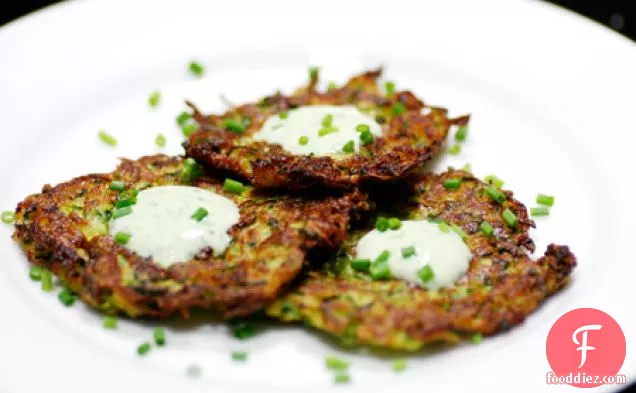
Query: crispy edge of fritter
point(55, 230)
point(502, 286)
point(408, 139)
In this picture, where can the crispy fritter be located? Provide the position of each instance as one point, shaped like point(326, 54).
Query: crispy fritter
point(408, 139)
point(501, 287)
point(65, 229)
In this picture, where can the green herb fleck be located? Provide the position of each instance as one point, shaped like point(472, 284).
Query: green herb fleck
point(8, 217)
point(461, 133)
point(159, 335)
point(239, 356)
point(160, 140)
point(408, 252)
point(510, 218)
point(540, 211)
point(233, 186)
point(486, 228)
point(154, 98)
point(110, 322)
point(106, 138)
point(349, 147)
point(399, 365)
point(196, 69)
point(66, 297)
point(546, 200)
point(426, 273)
point(143, 349)
point(454, 149)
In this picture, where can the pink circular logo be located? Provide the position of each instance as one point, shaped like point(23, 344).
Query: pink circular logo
point(584, 346)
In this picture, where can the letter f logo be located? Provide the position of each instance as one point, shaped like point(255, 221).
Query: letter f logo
point(584, 347)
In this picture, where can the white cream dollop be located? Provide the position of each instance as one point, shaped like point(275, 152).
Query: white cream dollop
point(444, 252)
point(161, 224)
point(307, 121)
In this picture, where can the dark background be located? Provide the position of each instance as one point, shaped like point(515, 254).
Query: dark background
point(620, 15)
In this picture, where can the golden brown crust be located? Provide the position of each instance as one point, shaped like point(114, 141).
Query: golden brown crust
point(502, 286)
point(408, 139)
point(65, 230)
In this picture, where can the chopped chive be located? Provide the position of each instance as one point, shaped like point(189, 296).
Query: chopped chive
point(455, 149)
point(183, 118)
point(494, 180)
point(191, 170)
point(366, 137)
point(399, 365)
point(382, 224)
point(188, 128)
point(125, 202)
point(7, 217)
point(349, 147)
point(122, 238)
point(467, 167)
point(398, 108)
point(547, 200)
point(66, 297)
point(394, 223)
point(460, 135)
point(154, 98)
point(540, 211)
point(361, 265)
point(389, 86)
point(243, 330)
point(106, 138)
point(117, 185)
point(47, 281)
point(363, 127)
point(110, 322)
point(159, 335)
point(476, 338)
point(233, 186)
point(380, 268)
point(496, 195)
point(327, 130)
point(124, 211)
point(196, 69)
point(380, 271)
point(342, 378)
point(332, 86)
point(35, 273)
point(199, 214)
point(408, 252)
point(510, 218)
point(303, 140)
point(234, 126)
point(283, 114)
point(334, 363)
point(486, 228)
point(426, 273)
point(383, 257)
point(443, 226)
point(313, 73)
point(143, 349)
point(458, 230)
point(327, 120)
point(160, 140)
point(239, 356)
point(452, 184)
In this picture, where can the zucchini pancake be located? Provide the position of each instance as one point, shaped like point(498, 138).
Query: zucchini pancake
point(384, 288)
point(263, 244)
point(341, 138)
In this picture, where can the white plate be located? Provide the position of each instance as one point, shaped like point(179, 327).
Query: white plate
point(552, 101)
